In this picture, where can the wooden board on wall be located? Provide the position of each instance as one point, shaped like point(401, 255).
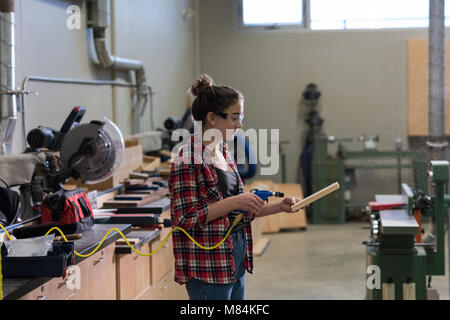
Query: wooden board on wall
point(418, 88)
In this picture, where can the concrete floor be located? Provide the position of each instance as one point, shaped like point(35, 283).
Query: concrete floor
point(324, 262)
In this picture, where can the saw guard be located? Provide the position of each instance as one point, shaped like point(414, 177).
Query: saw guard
point(93, 151)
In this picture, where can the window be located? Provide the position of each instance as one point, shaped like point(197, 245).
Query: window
point(272, 13)
point(337, 14)
point(368, 14)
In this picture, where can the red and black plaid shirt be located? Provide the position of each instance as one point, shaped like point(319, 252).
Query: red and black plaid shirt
point(193, 185)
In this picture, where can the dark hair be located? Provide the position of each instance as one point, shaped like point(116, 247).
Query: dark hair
point(211, 98)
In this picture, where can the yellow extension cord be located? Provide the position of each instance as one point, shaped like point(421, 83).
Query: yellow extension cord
point(1, 278)
point(235, 222)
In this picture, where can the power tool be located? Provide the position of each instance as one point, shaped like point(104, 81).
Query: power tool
point(264, 194)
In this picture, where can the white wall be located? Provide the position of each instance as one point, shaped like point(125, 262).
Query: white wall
point(152, 31)
point(362, 76)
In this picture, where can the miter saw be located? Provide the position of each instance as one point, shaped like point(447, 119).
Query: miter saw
point(91, 152)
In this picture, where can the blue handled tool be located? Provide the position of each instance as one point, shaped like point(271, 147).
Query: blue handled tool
point(264, 194)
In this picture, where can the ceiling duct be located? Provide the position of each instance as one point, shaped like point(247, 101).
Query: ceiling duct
point(436, 80)
point(99, 21)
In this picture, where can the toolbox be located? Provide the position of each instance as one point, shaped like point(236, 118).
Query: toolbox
point(54, 264)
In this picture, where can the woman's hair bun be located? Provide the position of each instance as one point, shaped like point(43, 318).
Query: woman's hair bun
point(201, 84)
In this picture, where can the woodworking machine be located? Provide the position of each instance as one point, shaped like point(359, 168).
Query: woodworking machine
point(342, 167)
point(398, 260)
point(91, 152)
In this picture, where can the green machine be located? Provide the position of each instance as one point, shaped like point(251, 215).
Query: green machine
point(320, 168)
point(326, 169)
point(397, 263)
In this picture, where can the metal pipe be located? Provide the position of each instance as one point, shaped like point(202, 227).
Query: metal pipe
point(100, 22)
point(8, 102)
point(76, 81)
point(61, 81)
point(436, 90)
point(436, 80)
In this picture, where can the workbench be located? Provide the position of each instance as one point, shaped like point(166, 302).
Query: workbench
point(15, 288)
point(114, 272)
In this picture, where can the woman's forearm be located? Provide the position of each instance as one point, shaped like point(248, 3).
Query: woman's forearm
point(220, 208)
point(270, 208)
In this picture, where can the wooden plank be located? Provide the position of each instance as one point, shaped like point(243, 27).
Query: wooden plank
point(138, 175)
point(132, 182)
point(150, 163)
point(141, 182)
point(132, 241)
point(164, 172)
point(146, 192)
point(124, 203)
point(126, 196)
point(315, 196)
point(418, 87)
point(106, 197)
point(131, 143)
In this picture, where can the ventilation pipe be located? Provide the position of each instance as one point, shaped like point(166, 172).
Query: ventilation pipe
point(8, 103)
point(436, 93)
point(436, 80)
point(99, 21)
point(436, 90)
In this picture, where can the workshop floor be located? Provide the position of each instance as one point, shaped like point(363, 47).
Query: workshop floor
point(324, 262)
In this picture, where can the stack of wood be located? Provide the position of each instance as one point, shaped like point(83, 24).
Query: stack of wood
point(140, 188)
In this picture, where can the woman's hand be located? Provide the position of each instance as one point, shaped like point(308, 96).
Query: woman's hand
point(286, 203)
point(249, 202)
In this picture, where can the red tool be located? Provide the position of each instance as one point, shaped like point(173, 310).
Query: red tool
point(378, 206)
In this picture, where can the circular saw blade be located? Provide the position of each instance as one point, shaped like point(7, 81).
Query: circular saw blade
point(93, 151)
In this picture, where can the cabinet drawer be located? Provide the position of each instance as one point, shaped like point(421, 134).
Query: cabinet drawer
point(160, 290)
point(58, 287)
point(98, 276)
point(165, 289)
point(54, 289)
point(133, 274)
point(168, 289)
point(41, 293)
point(178, 292)
point(162, 261)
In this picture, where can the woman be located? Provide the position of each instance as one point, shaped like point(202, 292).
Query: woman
point(206, 193)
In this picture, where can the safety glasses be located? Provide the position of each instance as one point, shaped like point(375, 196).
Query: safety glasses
point(235, 117)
